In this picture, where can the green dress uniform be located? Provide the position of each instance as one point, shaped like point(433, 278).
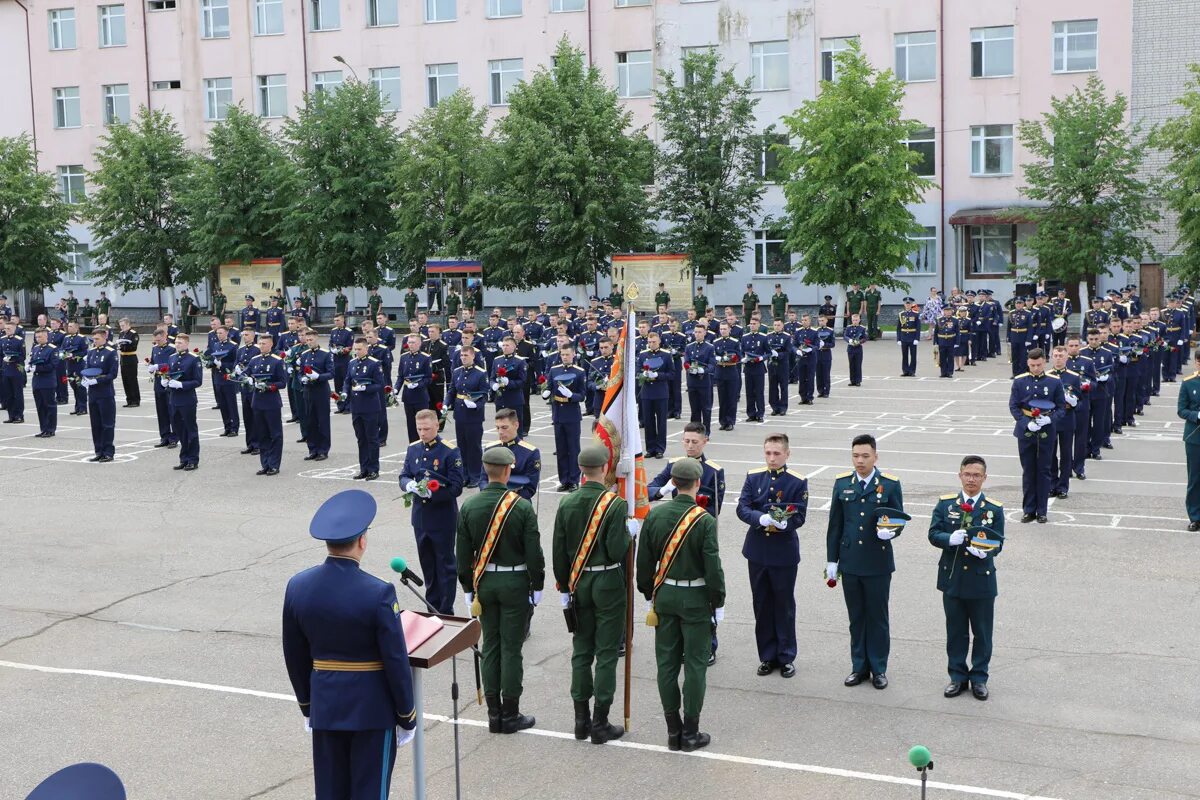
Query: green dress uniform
point(219, 301)
point(340, 304)
point(509, 573)
point(1188, 408)
point(749, 305)
point(410, 304)
point(453, 301)
point(779, 304)
point(374, 304)
point(700, 304)
point(103, 306)
point(967, 583)
point(662, 298)
point(692, 586)
point(590, 545)
point(854, 301)
point(186, 315)
point(72, 307)
point(616, 298)
point(874, 300)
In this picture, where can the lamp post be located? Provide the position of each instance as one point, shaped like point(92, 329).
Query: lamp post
point(342, 61)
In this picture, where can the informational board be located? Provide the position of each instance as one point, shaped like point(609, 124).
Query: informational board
point(441, 274)
point(260, 278)
point(647, 270)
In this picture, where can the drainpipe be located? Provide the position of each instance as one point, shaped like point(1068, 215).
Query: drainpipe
point(589, 31)
point(146, 51)
point(29, 61)
point(304, 46)
point(942, 140)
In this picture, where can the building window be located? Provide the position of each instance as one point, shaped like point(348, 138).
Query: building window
point(268, 17)
point(635, 73)
point(383, 12)
point(70, 183)
point(505, 74)
point(214, 19)
point(992, 52)
point(991, 150)
point(441, 10)
point(116, 104)
point(631, 3)
point(768, 66)
point(386, 81)
point(161, 85)
point(66, 107)
point(79, 263)
point(829, 49)
point(329, 81)
point(324, 15)
point(442, 80)
point(162, 5)
point(503, 8)
point(921, 141)
point(1075, 45)
point(112, 26)
point(991, 249)
point(62, 29)
point(559, 6)
point(272, 96)
point(916, 56)
point(684, 52)
point(768, 145)
point(218, 97)
point(922, 259)
point(770, 255)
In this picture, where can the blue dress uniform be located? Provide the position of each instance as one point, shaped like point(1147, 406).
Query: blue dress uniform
point(468, 385)
point(1121, 369)
point(866, 562)
point(826, 342)
point(102, 399)
point(161, 355)
point(567, 386)
point(315, 368)
point(185, 368)
point(387, 338)
point(981, 326)
point(435, 518)
point(654, 374)
point(344, 649)
point(729, 381)
point(996, 322)
point(700, 364)
point(57, 338)
point(275, 317)
point(773, 557)
point(805, 362)
point(1187, 407)
point(74, 350)
point(1062, 462)
point(1176, 320)
point(341, 341)
point(267, 407)
point(527, 470)
point(380, 353)
point(967, 583)
point(512, 393)
point(966, 339)
point(1036, 448)
point(779, 371)
point(1060, 308)
point(492, 336)
point(249, 317)
point(599, 369)
point(673, 344)
point(1101, 400)
point(12, 375)
point(245, 353)
point(945, 332)
point(1041, 318)
point(1018, 338)
point(44, 363)
point(855, 335)
point(224, 355)
point(754, 356)
point(1083, 366)
point(363, 389)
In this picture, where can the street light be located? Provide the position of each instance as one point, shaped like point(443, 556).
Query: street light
point(342, 61)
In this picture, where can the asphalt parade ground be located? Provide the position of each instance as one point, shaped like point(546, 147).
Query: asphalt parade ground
point(140, 620)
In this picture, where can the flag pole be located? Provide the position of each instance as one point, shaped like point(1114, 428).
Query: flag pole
point(631, 511)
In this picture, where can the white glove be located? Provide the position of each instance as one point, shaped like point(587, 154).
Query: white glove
point(564, 599)
point(779, 524)
point(503, 381)
point(305, 378)
point(537, 597)
point(899, 342)
point(564, 391)
point(1103, 379)
point(423, 491)
point(885, 534)
point(89, 382)
point(470, 404)
point(765, 520)
point(359, 388)
point(546, 394)
point(820, 344)
point(1179, 343)
point(175, 384)
point(1072, 400)
point(957, 538)
point(153, 368)
point(975, 551)
point(468, 598)
point(719, 614)
point(1043, 421)
point(307, 725)
point(831, 570)
point(634, 526)
point(1123, 359)
point(653, 374)
point(1033, 426)
point(411, 487)
point(667, 491)
point(409, 385)
point(495, 386)
point(403, 736)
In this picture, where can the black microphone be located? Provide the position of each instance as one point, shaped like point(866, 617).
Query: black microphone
point(401, 566)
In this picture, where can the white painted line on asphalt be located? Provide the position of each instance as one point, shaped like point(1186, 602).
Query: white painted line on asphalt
point(980, 386)
point(834, 772)
point(937, 410)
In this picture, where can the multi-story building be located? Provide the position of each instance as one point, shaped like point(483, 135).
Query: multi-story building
point(973, 71)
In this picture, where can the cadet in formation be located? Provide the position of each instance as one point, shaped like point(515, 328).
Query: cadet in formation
point(44, 362)
point(184, 375)
point(700, 364)
point(267, 377)
point(98, 376)
point(315, 370)
point(466, 394)
point(1036, 402)
point(1188, 409)
point(362, 390)
point(564, 389)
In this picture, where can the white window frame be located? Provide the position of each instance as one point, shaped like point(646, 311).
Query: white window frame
point(269, 89)
point(379, 79)
point(214, 19)
point(994, 36)
point(61, 22)
point(72, 183)
point(981, 137)
point(66, 97)
point(324, 15)
point(567, 6)
point(830, 47)
point(684, 52)
point(760, 53)
point(218, 97)
point(919, 137)
point(79, 256)
point(161, 5)
point(763, 241)
point(498, 70)
point(976, 237)
point(765, 155)
point(435, 8)
point(913, 43)
point(630, 3)
point(116, 103)
point(325, 82)
point(377, 9)
point(435, 74)
point(1064, 36)
point(503, 9)
point(112, 25)
point(924, 249)
point(629, 64)
point(268, 18)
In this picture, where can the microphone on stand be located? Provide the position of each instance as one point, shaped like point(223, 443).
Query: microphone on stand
point(406, 574)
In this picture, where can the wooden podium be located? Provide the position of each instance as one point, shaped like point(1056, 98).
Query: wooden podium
point(456, 635)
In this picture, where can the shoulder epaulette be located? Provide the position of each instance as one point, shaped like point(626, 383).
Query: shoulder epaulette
point(107, 347)
point(491, 444)
point(1048, 375)
point(1022, 375)
point(889, 476)
point(577, 368)
point(1071, 372)
point(1193, 375)
point(951, 496)
point(410, 444)
point(673, 460)
point(714, 464)
point(993, 502)
point(526, 445)
point(846, 474)
point(796, 474)
point(276, 355)
point(481, 369)
point(372, 358)
point(54, 346)
point(449, 443)
point(756, 470)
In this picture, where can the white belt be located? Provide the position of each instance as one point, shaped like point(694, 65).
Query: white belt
point(605, 568)
point(684, 584)
point(498, 568)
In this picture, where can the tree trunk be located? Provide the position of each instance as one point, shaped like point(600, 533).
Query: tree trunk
point(838, 319)
point(1083, 304)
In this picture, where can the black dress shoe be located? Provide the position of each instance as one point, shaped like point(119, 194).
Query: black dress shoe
point(1029, 518)
point(712, 657)
point(255, 451)
point(371, 476)
point(309, 457)
point(244, 451)
point(854, 678)
point(302, 440)
point(1079, 476)
point(271, 471)
point(292, 419)
point(215, 408)
point(190, 467)
point(1063, 495)
point(179, 466)
point(980, 691)
point(765, 668)
point(1106, 446)
point(562, 487)
point(879, 681)
point(383, 444)
point(229, 434)
point(104, 459)
point(1096, 457)
point(262, 471)
point(359, 476)
point(172, 445)
point(1041, 519)
point(1194, 526)
point(954, 688)
point(787, 671)
point(320, 456)
point(164, 444)
point(48, 435)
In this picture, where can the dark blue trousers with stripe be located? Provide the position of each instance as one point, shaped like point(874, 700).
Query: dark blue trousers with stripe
point(353, 765)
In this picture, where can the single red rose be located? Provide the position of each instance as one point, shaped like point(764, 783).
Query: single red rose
point(308, 370)
point(831, 583)
point(1087, 387)
point(195, 349)
point(225, 376)
point(147, 359)
point(967, 507)
point(501, 372)
point(387, 390)
point(541, 379)
point(439, 406)
point(163, 368)
point(702, 500)
point(433, 486)
point(273, 388)
point(1037, 412)
point(334, 396)
point(791, 509)
point(687, 365)
point(646, 368)
point(736, 358)
point(63, 379)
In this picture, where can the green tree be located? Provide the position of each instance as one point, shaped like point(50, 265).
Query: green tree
point(565, 187)
point(439, 170)
point(337, 227)
point(134, 209)
point(33, 220)
point(1095, 209)
point(1180, 137)
point(235, 197)
point(709, 189)
point(850, 179)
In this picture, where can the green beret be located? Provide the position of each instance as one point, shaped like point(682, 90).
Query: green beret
point(499, 456)
point(687, 469)
point(593, 456)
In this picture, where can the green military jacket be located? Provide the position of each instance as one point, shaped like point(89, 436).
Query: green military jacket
point(374, 303)
point(185, 306)
point(72, 307)
point(779, 304)
point(662, 299)
point(219, 301)
point(874, 298)
point(410, 303)
point(341, 303)
point(453, 301)
point(616, 298)
point(103, 305)
point(518, 542)
point(571, 522)
point(851, 538)
point(700, 304)
point(749, 301)
point(699, 556)
point(1188, 408)
point(854, 301)
point(961, 574)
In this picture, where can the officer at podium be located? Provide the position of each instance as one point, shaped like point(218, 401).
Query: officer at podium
point(346, 657)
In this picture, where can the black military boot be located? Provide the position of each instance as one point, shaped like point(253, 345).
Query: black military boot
point(692, 738)
point(511, 718)
point(674, 729)
point(493, 705)
point(583, 720)
point(602, 731)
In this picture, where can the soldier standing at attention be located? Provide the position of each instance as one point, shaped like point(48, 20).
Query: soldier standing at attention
point(699, 302)
point(340, 304)
point(855, 304)
point(908, 336)
point(679, 572)
point(184, 376)
point(1188, 409)
point(362, 391)
point(700, 364)
point(276, 318)
point(103, 305)
point(1036, 402)
point(754, 356)
point(854, 334)
point(662, 298)
point(187, 309)
point(434, 511)
point(654, 374)
point(564, 389)
point(410, 304)
point(779, 303)
point(43, 361)
point(98, 376)
point(374, 303)
point(267, 373)
point(779, 367)
point(415, 374)
point(946, 334)
point(219, 302)
point(466, 395)
point(127, 346)
point(749, 303)
point(501, 570)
